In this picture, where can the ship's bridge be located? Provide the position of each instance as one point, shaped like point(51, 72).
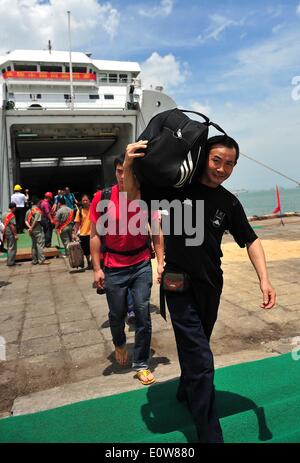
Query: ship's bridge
point(49, 140)
point(40, 79)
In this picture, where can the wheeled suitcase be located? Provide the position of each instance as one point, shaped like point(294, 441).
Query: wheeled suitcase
point(76, 258)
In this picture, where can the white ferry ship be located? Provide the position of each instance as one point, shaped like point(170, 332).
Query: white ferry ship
point(64, 121)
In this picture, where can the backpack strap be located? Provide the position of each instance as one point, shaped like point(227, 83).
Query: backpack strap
point(216, 126)
point(106, 195)
point(80, 212)
point(162, 302)
point(198, 114)
point(132, 252)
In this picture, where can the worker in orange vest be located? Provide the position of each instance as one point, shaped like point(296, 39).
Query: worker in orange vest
point(64, 224)
point(33, 223)
point(10, 234)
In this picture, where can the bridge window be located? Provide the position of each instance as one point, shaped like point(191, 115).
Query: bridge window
point(103, 77)
point(94, 97)
point(109, 97)
point(25, 67)
point(50, 68)
point(123, 78)
point(76, 69)
point(113, 78)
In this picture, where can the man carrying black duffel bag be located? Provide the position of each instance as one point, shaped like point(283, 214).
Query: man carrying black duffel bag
point(193, 276)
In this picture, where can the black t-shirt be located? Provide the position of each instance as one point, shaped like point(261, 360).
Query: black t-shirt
point(222, 211)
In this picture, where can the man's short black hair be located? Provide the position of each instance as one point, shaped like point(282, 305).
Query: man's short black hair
point(12, 205)
point(223, 140)
point(119, 160)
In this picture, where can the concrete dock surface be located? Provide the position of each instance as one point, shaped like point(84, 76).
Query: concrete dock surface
point(58, 346)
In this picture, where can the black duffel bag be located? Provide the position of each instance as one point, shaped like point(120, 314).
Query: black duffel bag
point(175, 145)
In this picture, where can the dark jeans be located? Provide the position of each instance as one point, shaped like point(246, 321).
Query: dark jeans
point(48, 228)
point(138, 278)
point(85, 244)
point(196, 359)
point(20, 219)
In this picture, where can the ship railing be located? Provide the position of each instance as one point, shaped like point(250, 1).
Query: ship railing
point(42, 75)
point(79, 77)
point(53, 97)
point(63, 105)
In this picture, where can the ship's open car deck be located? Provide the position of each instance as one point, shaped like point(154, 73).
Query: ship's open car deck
point(49, 157)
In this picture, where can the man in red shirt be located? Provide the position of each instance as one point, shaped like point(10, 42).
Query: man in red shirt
point(127, 265)
point(46, 222)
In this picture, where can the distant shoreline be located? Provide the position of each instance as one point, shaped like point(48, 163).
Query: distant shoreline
point(252, 218)
point(244, 191)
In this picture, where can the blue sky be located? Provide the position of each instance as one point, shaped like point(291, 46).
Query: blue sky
point(234, 60)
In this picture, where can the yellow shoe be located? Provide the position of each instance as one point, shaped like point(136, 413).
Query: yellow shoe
point(145, 377)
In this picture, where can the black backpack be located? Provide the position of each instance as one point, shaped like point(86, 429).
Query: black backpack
point(175, 144)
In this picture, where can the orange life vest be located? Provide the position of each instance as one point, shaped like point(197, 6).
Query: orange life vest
point(63, 225)
point(33, 211)
point(8, 218)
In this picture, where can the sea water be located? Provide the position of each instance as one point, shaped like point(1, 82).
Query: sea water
point(265, 201)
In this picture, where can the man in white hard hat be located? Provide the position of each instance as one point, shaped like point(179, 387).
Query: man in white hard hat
point(19, 199)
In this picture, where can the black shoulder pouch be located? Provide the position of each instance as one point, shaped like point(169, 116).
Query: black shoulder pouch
point(177, 282)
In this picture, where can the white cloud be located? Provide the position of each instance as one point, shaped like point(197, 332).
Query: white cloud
point(261, 115)
point(260, 63)
point(275, 11)
point(268, 132)
point(218, 25)
point(298, 9)
point(278, 28)
point(163, 70)
point(111, 25)
point(30, 23)
point(163, 9)
point(200, 108)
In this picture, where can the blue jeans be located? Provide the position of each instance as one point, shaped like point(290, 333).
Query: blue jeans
point(130, 306)
point(138, 278)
